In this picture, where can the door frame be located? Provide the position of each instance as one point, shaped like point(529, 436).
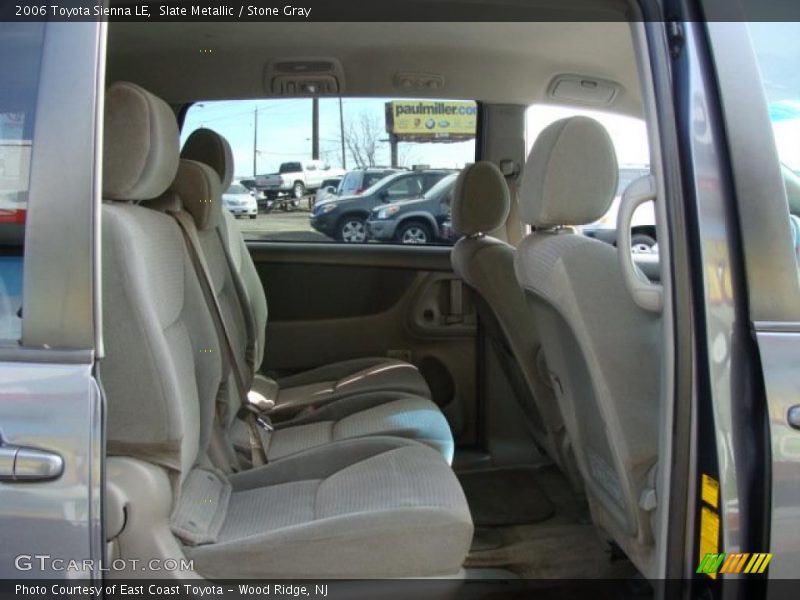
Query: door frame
point(52, 400)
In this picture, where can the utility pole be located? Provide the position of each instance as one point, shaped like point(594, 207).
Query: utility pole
point(393, 141)
point(255, 139)
point(341, 133)
point(315, 128)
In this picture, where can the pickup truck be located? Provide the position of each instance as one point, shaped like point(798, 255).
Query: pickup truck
point(295, 179)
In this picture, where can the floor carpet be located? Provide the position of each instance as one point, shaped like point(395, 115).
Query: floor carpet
point(507, 496)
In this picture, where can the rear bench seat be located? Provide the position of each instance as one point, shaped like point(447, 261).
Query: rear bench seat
point(368, 409)
point(318, 386)
point(377, 506)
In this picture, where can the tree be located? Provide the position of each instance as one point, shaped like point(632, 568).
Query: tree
point(361, 139)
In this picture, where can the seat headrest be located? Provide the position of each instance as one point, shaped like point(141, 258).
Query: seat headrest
point(198, 187)
point(570, 176)
point(210, 148)
point(481, 199)
point(140, 144)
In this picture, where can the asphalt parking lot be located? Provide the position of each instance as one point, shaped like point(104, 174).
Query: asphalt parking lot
point(280, 225)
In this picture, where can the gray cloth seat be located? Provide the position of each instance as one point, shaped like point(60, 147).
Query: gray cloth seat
point(374, 413)
point(327, 383)
point(603, 351)
point(486, 264)
point(374, 506)
point(361, 408)
point(371, 507)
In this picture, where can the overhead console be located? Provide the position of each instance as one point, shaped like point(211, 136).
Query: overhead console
point(304, 76)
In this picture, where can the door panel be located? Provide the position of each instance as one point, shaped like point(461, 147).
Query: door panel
point(331, 302)
point(54, 408)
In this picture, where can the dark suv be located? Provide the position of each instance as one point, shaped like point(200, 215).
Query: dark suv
point(345, 217)
point(356, 181)
point(414, 221)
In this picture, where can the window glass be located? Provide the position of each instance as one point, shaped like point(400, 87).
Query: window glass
point(290, 167)
point(371, 179)
point(629, 136)
point(441, 186)
point(361, 140)
point(349, 184)
point(237, 189)
point(406, 186)
point(777, 48)
point(20, 57)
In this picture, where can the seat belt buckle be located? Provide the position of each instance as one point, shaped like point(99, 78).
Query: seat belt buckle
point(265, 424)
point(257, 407)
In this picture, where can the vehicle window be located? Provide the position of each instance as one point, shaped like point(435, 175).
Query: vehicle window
point(441, 186)
point(360, 142)
point(405, 187)
point(629, 136)
point(20, 58)
point(237, 189)
point(371, 179)
point(777, 48)
point(291, 167)
point(349, 184)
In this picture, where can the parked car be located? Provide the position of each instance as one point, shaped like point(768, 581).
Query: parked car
point(345, 218)
point(414, 221)
point(643, 232)
point(296, 178)
point(240, 201)
point(327, 191)
point(356, 181)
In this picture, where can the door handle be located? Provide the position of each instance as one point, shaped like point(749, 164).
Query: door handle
point(21, 464)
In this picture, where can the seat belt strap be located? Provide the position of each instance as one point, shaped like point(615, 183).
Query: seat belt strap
point(186, 223)
point(244, 302)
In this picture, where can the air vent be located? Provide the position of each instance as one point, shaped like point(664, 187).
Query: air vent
point(583, 90)
point(304, 77)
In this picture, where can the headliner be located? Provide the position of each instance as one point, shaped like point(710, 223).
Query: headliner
point(490, 62)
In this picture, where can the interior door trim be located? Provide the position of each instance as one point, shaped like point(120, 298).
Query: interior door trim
point(421, 258)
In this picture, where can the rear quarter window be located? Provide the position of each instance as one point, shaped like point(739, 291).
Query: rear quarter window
point(20, 58)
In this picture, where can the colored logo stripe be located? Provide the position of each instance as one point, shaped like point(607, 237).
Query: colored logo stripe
point(734, 563)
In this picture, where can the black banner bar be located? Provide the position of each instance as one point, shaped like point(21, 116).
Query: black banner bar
point(371, 10)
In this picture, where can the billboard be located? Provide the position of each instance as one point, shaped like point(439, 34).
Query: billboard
point(431, 120)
